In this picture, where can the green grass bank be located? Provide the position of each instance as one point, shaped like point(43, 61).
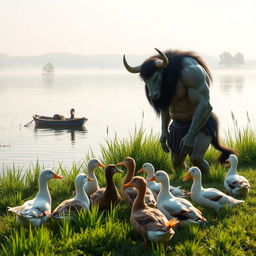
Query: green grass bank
point(110, 232)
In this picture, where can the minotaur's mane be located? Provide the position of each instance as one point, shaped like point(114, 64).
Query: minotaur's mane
point(171, 75)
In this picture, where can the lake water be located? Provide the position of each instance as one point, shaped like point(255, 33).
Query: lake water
point(114, 103)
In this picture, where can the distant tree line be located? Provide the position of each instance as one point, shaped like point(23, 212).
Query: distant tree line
point(228, 60)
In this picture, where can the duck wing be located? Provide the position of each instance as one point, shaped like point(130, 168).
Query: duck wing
point(149, 198)
point(220, 197)
point(34, 212)
point(237, 182)
point(176, 209)
point(32, 209)
point(177, 191)
point(213, 194)
point(150, 219)
point(68, 207)
point(98, 195)
point(189, 205)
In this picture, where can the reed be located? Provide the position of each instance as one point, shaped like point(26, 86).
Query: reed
point(109, 232)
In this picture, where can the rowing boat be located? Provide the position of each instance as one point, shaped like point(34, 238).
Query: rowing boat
point(48, 121)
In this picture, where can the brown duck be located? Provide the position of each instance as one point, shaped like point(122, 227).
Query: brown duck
point(130, 193)
point(149, 222)
point(108, 195)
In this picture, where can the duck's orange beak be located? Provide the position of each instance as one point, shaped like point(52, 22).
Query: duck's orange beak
point(141, 170)
point(188, 177)
point(152, 179)
point(121, 163)
point(90, 179)
point(56, 176)
point(129, 184)
point(101, 165)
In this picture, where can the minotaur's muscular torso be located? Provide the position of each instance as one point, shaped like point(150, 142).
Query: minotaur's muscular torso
point(182, 108)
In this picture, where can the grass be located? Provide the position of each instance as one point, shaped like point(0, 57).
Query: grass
point(109, 232)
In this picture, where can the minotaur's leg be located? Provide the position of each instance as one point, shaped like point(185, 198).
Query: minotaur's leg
point(178, 162)
point(201, 144)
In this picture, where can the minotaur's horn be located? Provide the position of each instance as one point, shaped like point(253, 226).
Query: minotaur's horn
point(164, 60)
point(162, 63)
point(131, 69)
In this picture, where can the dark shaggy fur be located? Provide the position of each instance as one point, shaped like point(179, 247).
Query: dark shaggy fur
point(171, 76)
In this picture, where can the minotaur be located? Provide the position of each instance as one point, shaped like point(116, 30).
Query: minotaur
point(177, 87)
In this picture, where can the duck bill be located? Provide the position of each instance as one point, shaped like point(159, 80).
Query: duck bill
point(119, 171)
point(152, 179)
point(141, 170)
point(90, 179)
point(101, 165)
point(188, 177)
point(121, 164)
point(56, 176)
point(126, 185)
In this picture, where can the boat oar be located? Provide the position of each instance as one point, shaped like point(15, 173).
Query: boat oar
point(29, 123)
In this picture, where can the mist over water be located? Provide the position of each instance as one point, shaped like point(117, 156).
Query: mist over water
point(114, 103)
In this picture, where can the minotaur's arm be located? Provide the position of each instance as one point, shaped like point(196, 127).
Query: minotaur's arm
point(196, 80)
point(165, 119)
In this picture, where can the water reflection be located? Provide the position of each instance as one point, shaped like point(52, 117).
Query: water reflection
point(56, 131)
point(48, 79)
point(229, 81)
point(45, 93)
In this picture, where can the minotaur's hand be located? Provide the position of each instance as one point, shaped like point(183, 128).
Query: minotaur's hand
point(163, 141)
point(186, 145)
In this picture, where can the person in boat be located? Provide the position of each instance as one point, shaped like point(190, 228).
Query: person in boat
point(72, 113)
point(61, 117)
point(58, 117)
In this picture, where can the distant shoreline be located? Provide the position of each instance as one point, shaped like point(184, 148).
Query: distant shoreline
point(75, 61)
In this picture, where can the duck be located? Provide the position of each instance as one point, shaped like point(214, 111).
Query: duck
point(37, 210)
point(155, 187)
point(149, 222)
point(107, 196)
point(68, 208)
point(236, 185)
point(175, 207)
point(129, 193)
point(93, 186)
point(210, 198)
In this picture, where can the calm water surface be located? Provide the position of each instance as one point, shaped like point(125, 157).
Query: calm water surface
point(114, 103)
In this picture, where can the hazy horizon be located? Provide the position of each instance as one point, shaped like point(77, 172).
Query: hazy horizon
point(64, 61)
point(32, 28)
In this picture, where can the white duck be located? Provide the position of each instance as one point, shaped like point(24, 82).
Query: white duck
point(155, 187)
point(208, 197)
point(93, 186)
point(175, 207)
point(235, 184)
point(37, 210)
point(70, 207)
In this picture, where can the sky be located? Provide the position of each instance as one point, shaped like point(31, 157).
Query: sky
point(34, 27)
